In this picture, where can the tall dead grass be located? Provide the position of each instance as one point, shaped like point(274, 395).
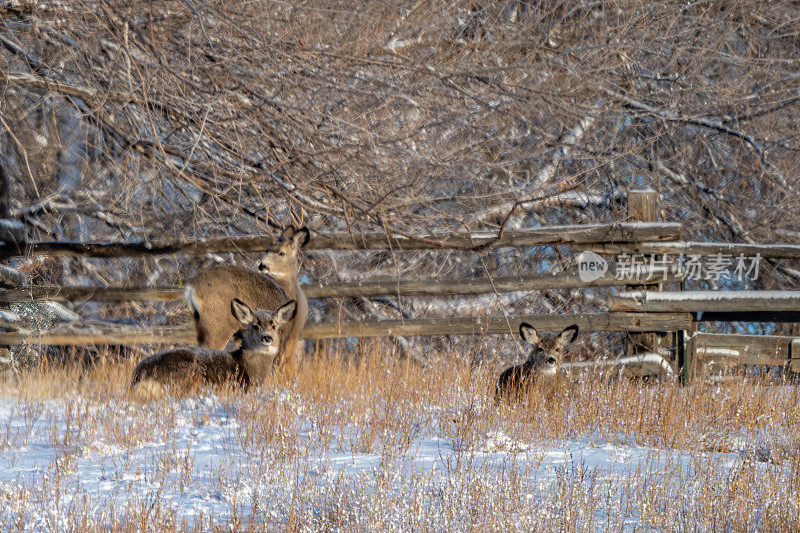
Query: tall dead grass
point(340, 443)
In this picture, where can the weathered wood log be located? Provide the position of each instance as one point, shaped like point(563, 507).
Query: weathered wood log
point(785, 317)
point(642, 207)
point(641, 365)
point(483, 285)
point(623, 232)
point(497, 325)
point(97, 294)
point(11, 277)
point(732, 350)
point(767, 251)
point(105, 333)
point(82, 333)
point(9, 319)
point(578, 234)
point(706, 301)
point(12, 234)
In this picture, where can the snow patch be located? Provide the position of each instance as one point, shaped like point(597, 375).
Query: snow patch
point(499, 442)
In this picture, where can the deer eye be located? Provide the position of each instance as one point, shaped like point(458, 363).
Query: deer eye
point(551, 360)
point(281, 254)
point(266, 339)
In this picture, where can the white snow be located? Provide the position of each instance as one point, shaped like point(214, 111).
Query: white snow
point(641, 364)
point(719, 351)
point(695, 296)
point(711, 248)
point(203, 473)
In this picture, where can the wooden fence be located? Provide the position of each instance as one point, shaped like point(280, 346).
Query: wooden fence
point(642, 310)
point(588, 234)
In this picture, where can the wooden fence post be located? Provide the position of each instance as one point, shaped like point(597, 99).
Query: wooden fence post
point(642, 207)
point(794, 356)
point(688, 349)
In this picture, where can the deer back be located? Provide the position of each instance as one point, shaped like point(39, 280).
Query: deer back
point(210, 293)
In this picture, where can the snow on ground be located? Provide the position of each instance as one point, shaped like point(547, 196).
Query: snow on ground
point(201, 472)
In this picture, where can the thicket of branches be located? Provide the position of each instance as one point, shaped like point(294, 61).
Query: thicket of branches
point(187, 118)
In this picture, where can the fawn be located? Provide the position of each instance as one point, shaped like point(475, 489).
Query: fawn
point(543, 362)
point(185, 370)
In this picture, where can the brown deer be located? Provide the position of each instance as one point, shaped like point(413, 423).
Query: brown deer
point(282, 262)
point(543, 363)
point(210, 292)
point(184, 371)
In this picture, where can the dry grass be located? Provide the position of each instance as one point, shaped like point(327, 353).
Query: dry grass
point(354, 443)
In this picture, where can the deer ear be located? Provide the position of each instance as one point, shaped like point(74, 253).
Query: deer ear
point(302, 236)
point(242, 312)
point(287, 234)
point(529, 333)
point(569, 334)
point(285, 313)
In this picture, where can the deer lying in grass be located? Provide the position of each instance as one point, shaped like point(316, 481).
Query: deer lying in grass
point(184, 371)
point(210, 292)
point(543, 363)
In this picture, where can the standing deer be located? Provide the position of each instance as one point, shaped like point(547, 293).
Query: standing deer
point(282, 262)
point(210, 292)
point(185, 370)
point(543, 362)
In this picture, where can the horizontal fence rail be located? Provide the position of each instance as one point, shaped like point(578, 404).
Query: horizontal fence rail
point(624, 232)
point(81, 333)
point(640, 365)
point(11, 277)
point(745, 349)
point(767, 251)
point(706, 301)
point(498, 325)
point(12, 231)
point(431, 287)
point(98, 294)
point(85, 333)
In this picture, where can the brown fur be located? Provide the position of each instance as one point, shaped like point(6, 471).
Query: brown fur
point(542, 364)
point(210, 292)
point(209, 295)
point(184, 371)
point(282, 263)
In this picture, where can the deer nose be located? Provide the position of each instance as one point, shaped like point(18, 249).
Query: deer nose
point(263, 268)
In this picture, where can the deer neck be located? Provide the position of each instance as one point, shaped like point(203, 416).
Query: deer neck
point(254, 366)
point(302, 306)
point(291, 284)
point(287, 282)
